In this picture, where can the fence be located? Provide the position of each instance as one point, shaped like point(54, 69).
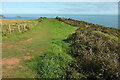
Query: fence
point(9, 29)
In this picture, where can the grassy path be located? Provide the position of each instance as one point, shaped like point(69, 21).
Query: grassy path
point(20, 47)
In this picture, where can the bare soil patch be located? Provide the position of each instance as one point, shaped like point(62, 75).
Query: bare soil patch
point(10, 62)
point(29, 40)
point(28, 57)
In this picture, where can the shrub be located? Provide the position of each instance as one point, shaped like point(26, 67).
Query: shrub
point(97, 54)
point(112, 31)
point(27, 27)
point(39, 20)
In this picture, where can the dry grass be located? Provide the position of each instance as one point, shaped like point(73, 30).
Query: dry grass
point(12, 21)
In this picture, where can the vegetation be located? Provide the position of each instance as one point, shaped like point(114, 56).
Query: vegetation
point(92, 27)
point(65, 48)
point(14, 21)
point(43, 38)
point(15, 28)
point(54, 61)
point(110, 36)
point(97, 52)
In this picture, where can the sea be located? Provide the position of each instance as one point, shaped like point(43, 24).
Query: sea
point(104, 20)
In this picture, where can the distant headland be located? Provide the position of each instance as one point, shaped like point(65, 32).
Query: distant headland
point(18, 16)
point(1, 16)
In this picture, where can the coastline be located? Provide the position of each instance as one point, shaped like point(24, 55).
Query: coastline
point(20, 19)
point(103, 20)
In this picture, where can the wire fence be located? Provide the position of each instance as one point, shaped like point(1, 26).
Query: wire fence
point(10, 29)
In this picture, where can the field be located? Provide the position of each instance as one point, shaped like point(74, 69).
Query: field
point(61, 48)
point(18, 25)
point(19, 48)
point(12, 21)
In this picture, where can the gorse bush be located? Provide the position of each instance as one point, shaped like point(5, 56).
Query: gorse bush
point(91, 26)
point(97, 55)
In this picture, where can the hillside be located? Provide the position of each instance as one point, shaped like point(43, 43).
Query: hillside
point(21, 47)
point(96, 49)
point(1, 16)
point(62, 48)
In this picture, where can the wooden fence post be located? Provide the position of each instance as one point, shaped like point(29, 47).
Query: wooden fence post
point(2, 32)
point(24, 27)
point(9, 29)
point(19, 28)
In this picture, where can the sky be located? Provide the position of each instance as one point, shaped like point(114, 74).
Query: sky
point(60, 8)
point(60, 0)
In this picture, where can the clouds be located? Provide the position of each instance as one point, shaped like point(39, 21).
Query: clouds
point(60, 7)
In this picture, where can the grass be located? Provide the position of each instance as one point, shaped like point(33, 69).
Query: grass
point(32, 20)
point(108, 35)
point(43, 53)
point(42, 35)
point(96, 51)
point(54, 61)
point(13, 21)
point(14, 27)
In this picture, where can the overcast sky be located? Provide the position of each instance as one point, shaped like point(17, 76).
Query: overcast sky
point(60, 8)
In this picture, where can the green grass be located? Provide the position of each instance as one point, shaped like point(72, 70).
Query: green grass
point(43, 35)
point(0, 37)
point(108, 35)
point(54, 61)
point(33, 20)
point(47, 47)
point(14, 27)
